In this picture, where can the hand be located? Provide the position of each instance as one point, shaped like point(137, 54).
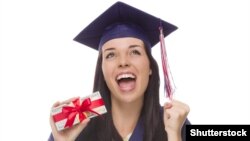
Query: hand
point(175, 114)
point(69, 134)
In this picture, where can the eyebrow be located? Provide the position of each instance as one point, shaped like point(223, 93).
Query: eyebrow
point(134, 46)
point(108, 49)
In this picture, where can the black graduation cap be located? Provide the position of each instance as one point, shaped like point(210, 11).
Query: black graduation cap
point(146, 26)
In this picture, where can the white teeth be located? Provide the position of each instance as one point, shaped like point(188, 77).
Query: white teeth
point(127, 75)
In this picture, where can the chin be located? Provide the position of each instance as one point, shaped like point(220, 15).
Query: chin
point(130, 97)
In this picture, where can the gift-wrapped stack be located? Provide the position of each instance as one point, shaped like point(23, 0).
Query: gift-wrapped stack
point(68, 115)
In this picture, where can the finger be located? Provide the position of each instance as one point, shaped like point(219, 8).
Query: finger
point(176, 103)
point(51, 120)
point(177, 113)
point(53, 126)
point(167, 114)
point(84, 122)
point(64, 102)
point(69, 100)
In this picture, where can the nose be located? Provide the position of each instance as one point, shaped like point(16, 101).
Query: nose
point(124, 61)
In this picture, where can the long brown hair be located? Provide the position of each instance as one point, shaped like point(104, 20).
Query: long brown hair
point(102, 128)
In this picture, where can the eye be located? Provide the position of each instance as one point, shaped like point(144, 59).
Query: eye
point(110, 55)
point(135, 52)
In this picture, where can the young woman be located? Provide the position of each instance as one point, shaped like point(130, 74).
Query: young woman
point(127, 77)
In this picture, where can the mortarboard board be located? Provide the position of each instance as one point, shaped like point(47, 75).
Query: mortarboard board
point(146, 26)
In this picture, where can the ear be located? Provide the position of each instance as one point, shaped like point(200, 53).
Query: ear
point(150, 72)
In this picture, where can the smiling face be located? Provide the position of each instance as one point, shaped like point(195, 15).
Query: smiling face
point(126, 68)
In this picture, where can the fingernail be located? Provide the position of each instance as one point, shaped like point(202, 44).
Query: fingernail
point(168, 105)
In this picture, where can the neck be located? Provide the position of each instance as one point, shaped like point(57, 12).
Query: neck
point(125, 116)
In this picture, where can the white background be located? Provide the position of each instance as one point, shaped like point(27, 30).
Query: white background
point(209, 57)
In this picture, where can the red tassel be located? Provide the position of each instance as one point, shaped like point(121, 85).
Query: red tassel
point(168, 88)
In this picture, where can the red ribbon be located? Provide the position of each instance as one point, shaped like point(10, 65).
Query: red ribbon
point(70, 112)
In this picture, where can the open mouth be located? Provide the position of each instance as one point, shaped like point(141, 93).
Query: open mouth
point(126, 81)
